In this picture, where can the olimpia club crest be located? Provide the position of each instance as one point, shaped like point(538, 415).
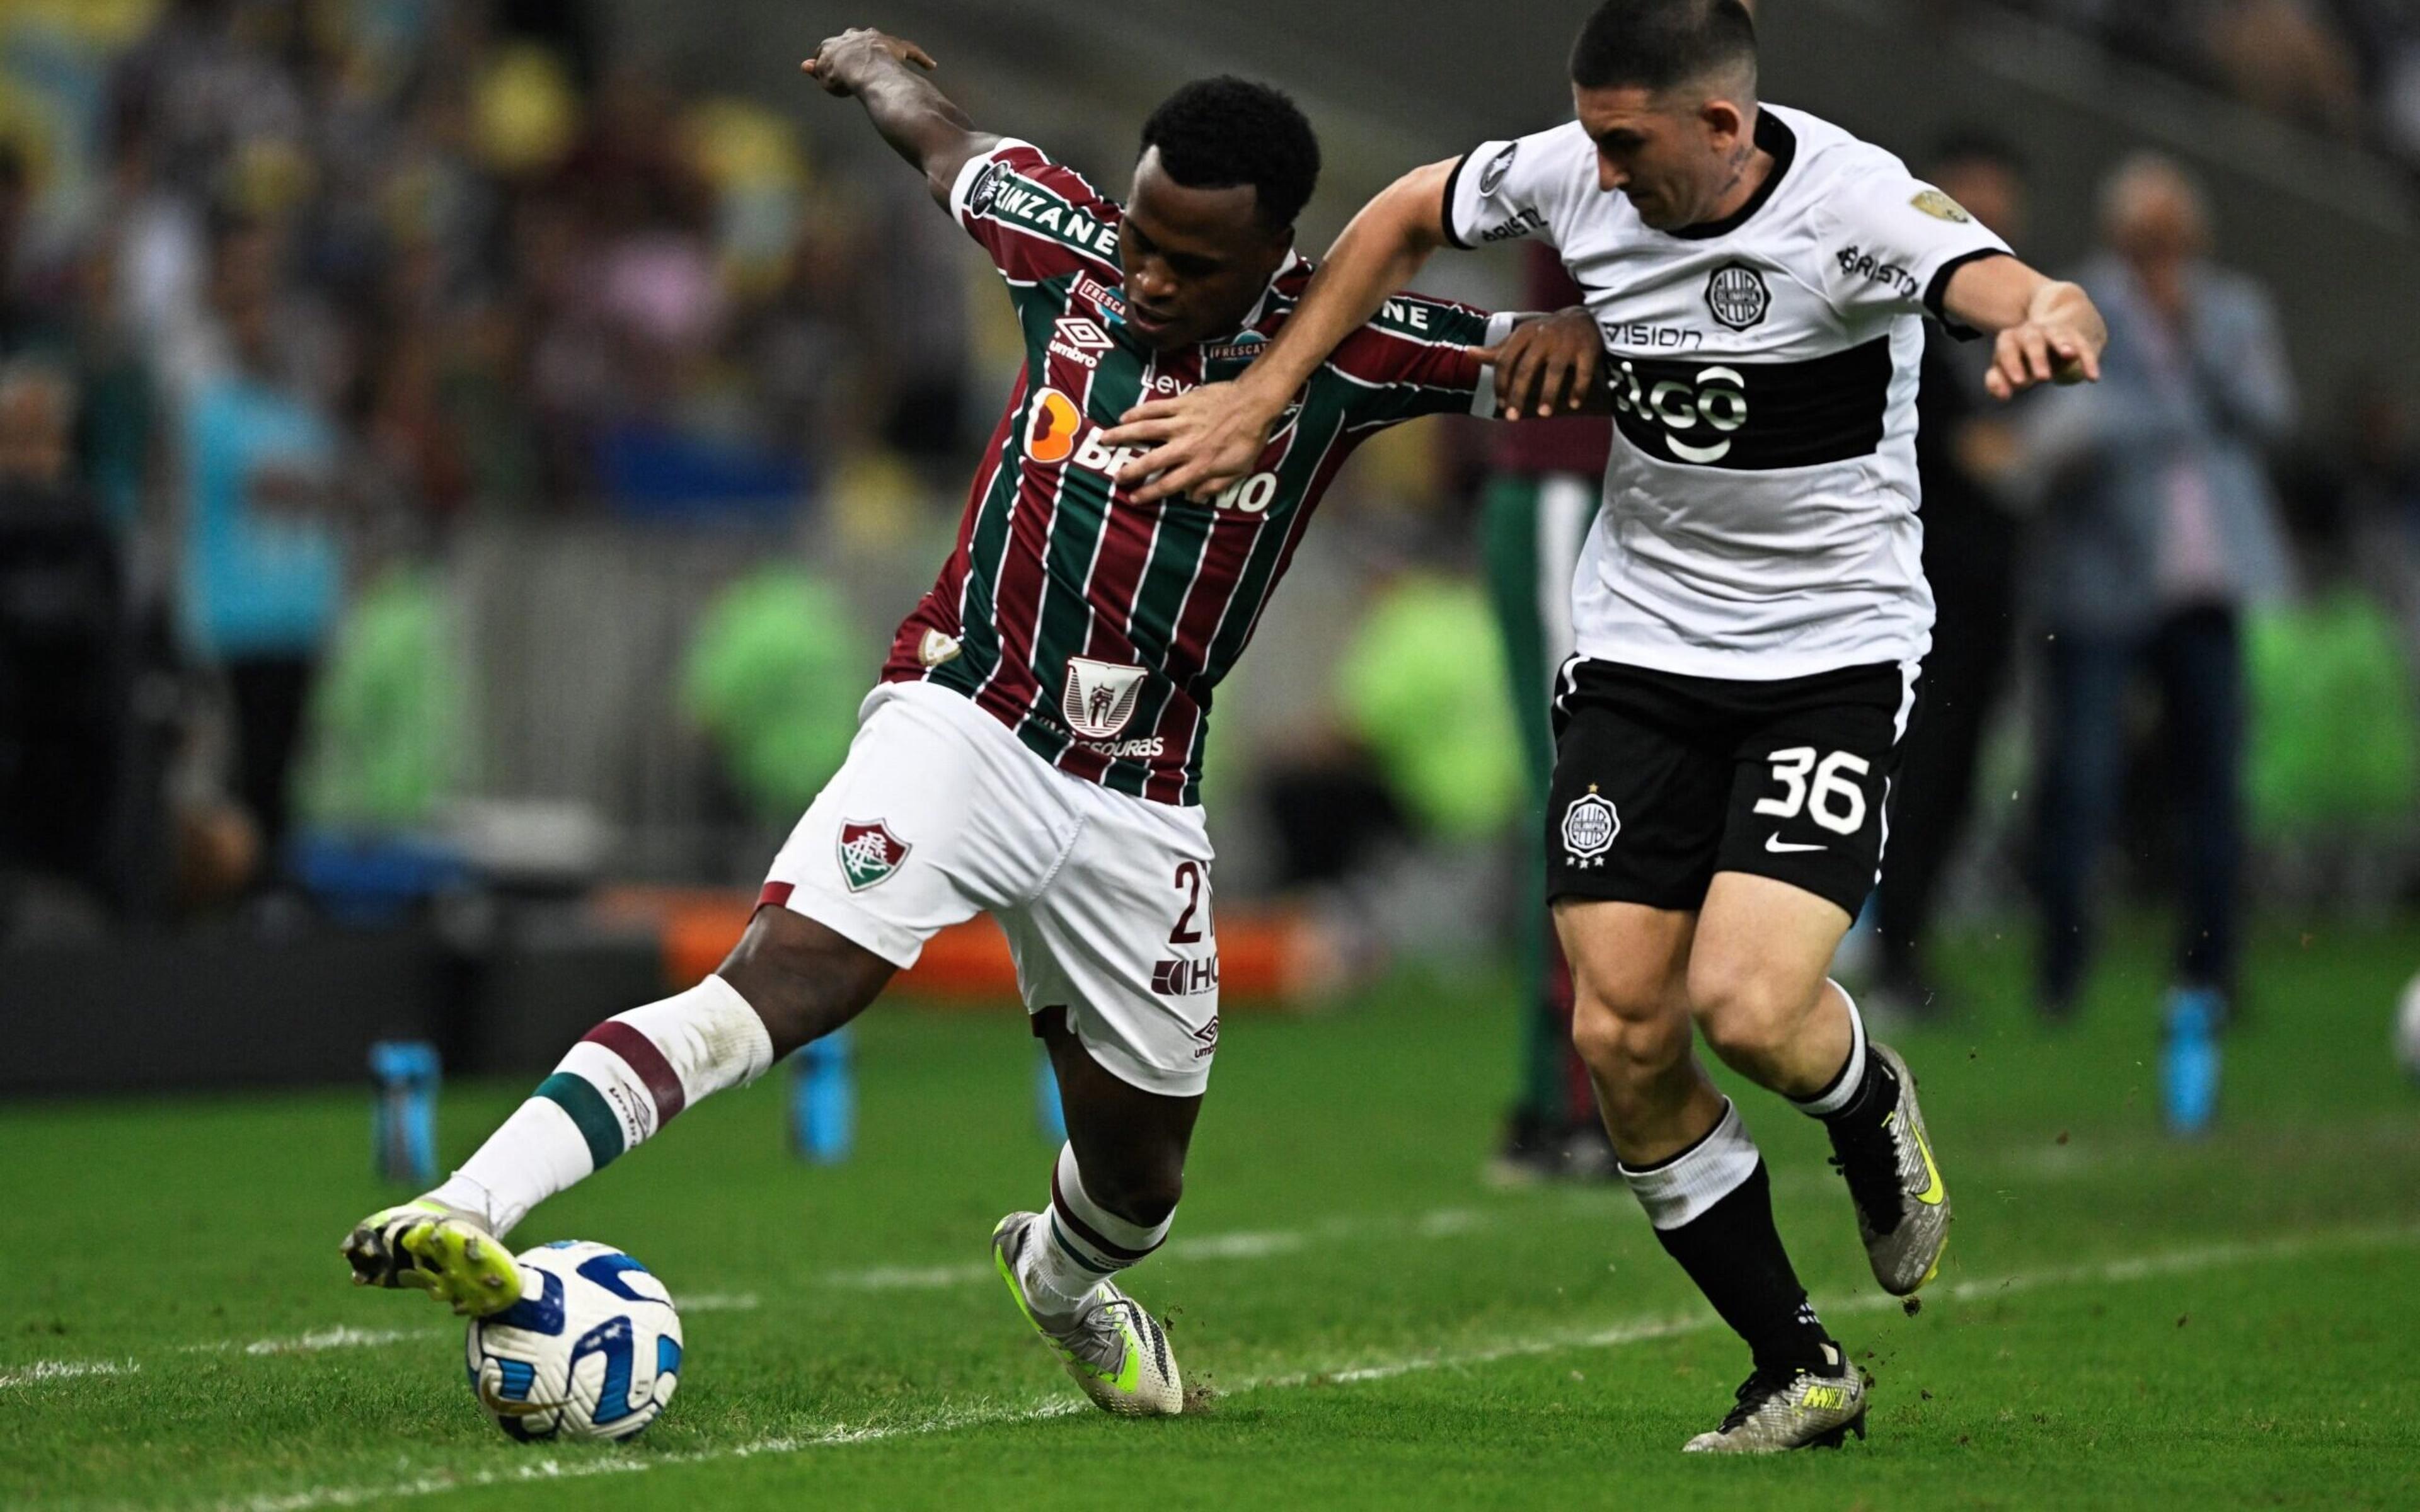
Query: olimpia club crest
point(869, 853)
point(1738, 296)
point(1590, 826)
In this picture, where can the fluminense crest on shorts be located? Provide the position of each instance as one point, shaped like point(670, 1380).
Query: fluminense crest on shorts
point(1590, 826)
point(869, 853)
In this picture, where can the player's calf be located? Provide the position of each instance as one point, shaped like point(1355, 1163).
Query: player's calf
point(1060, 1266)
point(620, 1086)
point(1879, 1147)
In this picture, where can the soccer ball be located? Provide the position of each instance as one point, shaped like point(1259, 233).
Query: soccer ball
point(592, 1351)
point(2407, 1030)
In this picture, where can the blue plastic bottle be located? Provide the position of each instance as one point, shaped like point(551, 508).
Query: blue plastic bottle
point(403, 1111)
point(823, 1101)
point(2189, 1063)
point(1047, 1111)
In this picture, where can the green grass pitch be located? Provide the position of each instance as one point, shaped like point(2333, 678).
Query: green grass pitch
point(2123, 1320)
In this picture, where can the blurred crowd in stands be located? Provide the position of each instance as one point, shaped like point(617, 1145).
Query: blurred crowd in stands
point(292, 290)
point(289, 287)
point(2347, 68)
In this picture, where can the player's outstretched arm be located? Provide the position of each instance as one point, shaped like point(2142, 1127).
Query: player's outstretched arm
point(2043, 330)
point(1548, 364)
point(1202, 440)
point(921, 124)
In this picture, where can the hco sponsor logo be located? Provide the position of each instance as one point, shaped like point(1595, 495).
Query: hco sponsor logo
point(1188, 979)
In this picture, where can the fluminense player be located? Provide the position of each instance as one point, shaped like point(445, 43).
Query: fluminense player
point(1034, 747)
point(1749, 609)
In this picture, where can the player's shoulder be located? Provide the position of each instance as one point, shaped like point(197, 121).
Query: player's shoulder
point(1833, 168)
point(1020, 180)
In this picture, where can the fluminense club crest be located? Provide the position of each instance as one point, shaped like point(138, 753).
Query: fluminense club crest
point(869, 853)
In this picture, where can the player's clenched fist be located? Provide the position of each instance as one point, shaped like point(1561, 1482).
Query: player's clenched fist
point(1546, 365)
point(840, 63)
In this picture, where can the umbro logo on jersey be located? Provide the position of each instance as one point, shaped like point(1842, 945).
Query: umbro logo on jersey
point(1080, 340)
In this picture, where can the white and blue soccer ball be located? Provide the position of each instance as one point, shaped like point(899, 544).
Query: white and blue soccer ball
point(592, 1351)
point(2407, 1030)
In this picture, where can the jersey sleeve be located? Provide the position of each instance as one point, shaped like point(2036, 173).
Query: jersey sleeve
point(1414, 358)
point(1508, 191)
point(1038, 219)
point(1891, 240)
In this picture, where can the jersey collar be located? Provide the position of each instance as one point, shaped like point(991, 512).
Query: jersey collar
point(1773, 137)
point(1294, 261)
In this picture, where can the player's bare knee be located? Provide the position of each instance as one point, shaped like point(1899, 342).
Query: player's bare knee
point(801, 979)
point(1616, 1041)
point(1747, 1019)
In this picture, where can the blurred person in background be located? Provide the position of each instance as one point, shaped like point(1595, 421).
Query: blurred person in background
point(1968, 455)
point(1540, 496)
point(65, 659)
point(2159, 531)
point(263, 567)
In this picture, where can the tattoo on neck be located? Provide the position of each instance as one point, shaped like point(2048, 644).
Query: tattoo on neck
point(1741, 156)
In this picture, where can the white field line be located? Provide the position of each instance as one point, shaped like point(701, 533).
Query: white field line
point(40, 1370)
point(2134, 1268)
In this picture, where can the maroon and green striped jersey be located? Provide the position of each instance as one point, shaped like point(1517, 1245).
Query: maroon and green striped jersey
point(1093, 626)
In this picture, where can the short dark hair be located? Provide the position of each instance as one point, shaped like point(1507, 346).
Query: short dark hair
point(1656, 44)
point(1223, 132)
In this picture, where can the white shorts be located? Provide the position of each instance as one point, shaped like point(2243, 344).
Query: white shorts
point(941, 813)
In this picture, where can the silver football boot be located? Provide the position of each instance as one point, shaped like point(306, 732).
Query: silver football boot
point(1808, 1410)
point(1114, 1350)
point(1903, 1204)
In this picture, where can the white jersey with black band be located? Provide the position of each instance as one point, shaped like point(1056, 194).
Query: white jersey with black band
point(1760, 520)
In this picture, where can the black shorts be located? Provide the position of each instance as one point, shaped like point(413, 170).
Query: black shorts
point(1661, 780)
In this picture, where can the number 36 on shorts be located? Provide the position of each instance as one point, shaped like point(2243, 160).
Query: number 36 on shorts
point(1824, 787)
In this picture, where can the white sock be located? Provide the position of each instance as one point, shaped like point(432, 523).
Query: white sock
point(1846, 1086)
point(1678, 1190)
point(1076, 1244)
point(617, 1088)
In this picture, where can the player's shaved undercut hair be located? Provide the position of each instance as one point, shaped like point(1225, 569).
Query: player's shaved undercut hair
point(1223, 132)
point(1662, 45)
